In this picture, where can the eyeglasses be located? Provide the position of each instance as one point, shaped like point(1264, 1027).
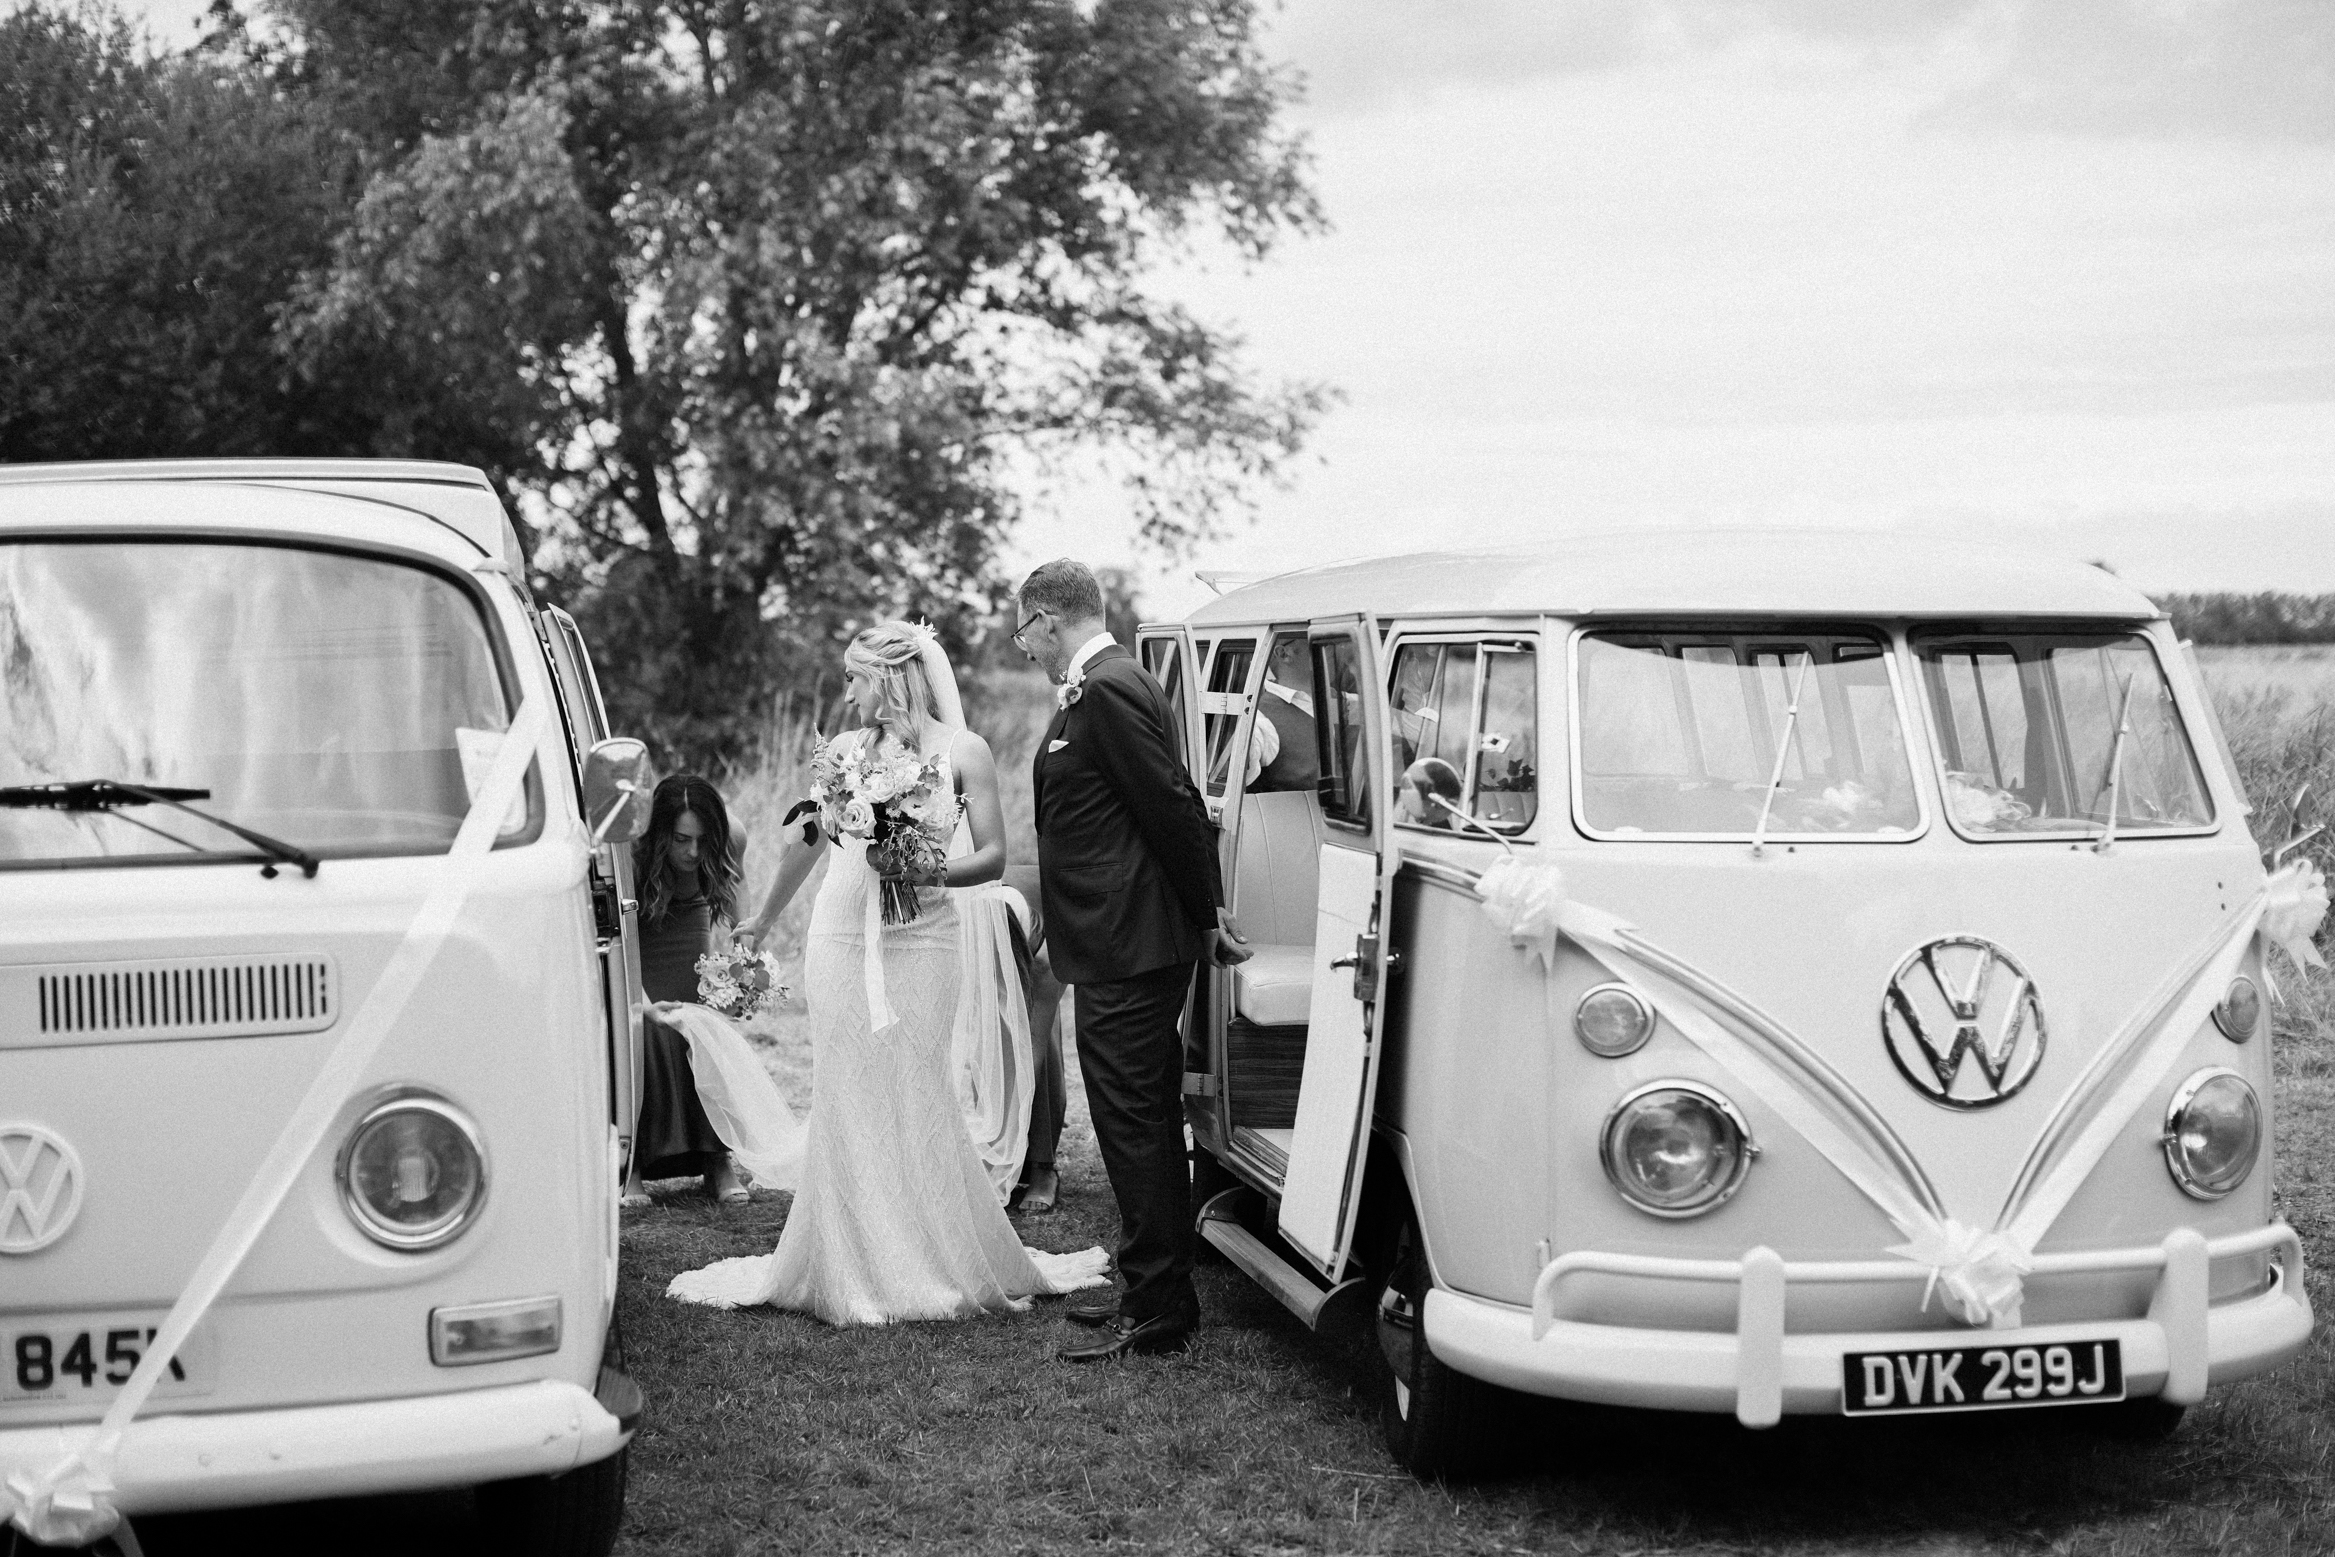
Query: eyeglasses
point(1025, 627)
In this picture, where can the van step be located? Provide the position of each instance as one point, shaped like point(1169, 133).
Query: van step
point(1296, 1291)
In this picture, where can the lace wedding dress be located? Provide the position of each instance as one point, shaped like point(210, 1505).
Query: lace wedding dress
point(895, 1216)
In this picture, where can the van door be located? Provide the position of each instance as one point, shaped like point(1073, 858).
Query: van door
point(1165, 649)
point(1329, 1146)
point(615, 906)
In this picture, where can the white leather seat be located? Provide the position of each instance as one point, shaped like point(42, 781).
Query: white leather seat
point(1274, 988)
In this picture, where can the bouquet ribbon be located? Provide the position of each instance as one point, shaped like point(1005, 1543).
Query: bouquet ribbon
point(71, 1503)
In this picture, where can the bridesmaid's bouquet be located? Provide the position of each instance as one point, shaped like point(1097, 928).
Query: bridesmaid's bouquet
point(887, 803)
point(739, 983)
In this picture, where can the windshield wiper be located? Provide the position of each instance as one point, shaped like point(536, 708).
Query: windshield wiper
point(2116, 768)
point(106, 794)
point(1783, 749)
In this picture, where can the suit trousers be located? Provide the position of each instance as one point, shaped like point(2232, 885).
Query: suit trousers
point(1133, 1058)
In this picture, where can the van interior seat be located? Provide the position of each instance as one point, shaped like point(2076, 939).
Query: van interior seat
point(1275, 881)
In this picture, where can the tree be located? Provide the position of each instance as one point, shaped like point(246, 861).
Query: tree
point(155, 217)
point(786, 294)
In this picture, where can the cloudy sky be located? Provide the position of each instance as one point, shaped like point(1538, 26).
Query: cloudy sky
point(2058, 273)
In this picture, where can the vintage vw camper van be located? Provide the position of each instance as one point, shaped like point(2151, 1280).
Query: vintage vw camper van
point(1758, 974)
point(317, 980)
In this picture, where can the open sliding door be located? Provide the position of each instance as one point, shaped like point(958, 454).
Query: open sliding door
point(1330, 1144)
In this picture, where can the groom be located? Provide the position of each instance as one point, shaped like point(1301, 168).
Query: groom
point(1133, 899)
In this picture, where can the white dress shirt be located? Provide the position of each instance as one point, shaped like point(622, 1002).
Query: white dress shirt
point(1087, 651)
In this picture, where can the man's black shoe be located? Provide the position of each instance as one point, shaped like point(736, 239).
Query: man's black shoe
point(1096, 1306)
point(1122, 1337)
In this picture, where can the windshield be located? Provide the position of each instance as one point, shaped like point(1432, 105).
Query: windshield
point(343, 704)
point(2027, 732)
point(1680, 733)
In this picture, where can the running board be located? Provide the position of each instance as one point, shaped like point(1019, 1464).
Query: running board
point(1291, 1287)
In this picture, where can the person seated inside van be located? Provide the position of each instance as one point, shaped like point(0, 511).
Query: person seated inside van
point(1282, 752)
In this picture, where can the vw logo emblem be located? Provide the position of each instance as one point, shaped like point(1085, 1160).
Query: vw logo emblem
point(1962, 1021)
point(40, 1188)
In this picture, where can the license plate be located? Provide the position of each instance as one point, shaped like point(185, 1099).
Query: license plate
point(1981, 1378)
point(90, 1358)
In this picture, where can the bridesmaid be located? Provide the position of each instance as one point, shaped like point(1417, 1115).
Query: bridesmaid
point(686, 870)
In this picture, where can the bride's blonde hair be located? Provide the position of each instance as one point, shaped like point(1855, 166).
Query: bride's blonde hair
point(893, 653)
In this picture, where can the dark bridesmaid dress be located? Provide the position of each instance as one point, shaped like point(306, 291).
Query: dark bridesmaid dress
point(673, 1138)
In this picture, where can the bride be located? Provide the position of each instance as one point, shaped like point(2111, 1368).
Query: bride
point(895, 1216)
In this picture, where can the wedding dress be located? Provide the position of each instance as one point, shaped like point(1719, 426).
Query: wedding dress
point(895, 1216)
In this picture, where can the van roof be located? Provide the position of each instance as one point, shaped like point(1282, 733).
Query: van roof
point(456, 498)
point(1737, 573)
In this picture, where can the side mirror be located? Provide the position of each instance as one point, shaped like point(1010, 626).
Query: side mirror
point(616, 790)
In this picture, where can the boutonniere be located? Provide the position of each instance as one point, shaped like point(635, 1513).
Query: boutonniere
point(1072, 689)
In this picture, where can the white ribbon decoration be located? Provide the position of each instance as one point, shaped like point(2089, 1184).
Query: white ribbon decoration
point(1527, 901)
point(2295, 904)
point(1975, 1271)
point(871, 960)
point(71, 1503)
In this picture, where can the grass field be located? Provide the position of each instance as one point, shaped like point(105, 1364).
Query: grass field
point(771, 1433)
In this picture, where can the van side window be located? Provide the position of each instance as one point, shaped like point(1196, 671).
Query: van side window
point(1466, 731)
point(1504, 790)
point(1344, 785)
point(1164, 658)
point(1228, 675)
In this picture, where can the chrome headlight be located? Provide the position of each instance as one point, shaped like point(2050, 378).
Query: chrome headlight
point(2213, 1133)
point(412, 1173)
point(1674, 1148)
point(2240, 1011)
point(1613, 1020)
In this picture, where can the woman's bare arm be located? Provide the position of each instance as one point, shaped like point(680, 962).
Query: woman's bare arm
point(976, 772)
point(795, 859)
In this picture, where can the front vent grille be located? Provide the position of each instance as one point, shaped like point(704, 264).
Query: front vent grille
point(198, 997)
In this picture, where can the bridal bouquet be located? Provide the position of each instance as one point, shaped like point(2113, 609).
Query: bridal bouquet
point(887, 803)
point(739, 982)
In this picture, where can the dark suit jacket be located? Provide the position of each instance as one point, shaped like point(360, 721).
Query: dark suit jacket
point(1126, 853)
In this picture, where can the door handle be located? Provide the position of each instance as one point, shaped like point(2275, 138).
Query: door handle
point(1364, 962)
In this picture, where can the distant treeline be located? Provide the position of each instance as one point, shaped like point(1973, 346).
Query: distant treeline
point(2265, 618)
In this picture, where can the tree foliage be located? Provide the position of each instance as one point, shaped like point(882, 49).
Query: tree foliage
point(794, 292)
point(766, 309)
point(2268, 617)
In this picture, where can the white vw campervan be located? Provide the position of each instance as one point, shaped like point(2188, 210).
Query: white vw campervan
point(316, 995)
point(1751, 973)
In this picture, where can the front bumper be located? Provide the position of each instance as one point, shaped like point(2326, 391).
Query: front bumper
point(239, 1458)
point(1761, 1373)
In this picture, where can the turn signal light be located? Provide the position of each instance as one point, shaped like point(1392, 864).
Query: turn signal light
point(1613, 1020)
point(494, 1332)
point(2240, 1013)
